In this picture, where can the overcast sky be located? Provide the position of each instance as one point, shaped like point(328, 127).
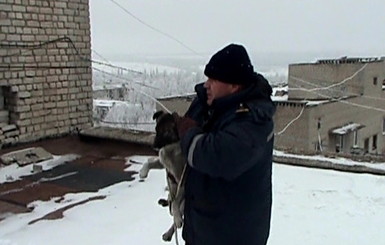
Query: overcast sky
point(340, 27)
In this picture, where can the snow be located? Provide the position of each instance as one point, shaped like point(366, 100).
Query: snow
point(316, 102)
point(283, 89)
point(280, 98)
point(338, 160)
point(274, 71)
point(14, 172)
point(131, 116)
point(310, 206)
point(105, 103)
point(347, 128)
point(326, 207)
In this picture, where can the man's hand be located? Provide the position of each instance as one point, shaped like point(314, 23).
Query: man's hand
point(183, 124)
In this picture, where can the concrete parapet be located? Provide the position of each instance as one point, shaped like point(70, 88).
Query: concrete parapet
point(132, 136)
point(324, 164)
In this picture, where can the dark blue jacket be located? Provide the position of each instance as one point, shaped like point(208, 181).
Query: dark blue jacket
point(228, 191)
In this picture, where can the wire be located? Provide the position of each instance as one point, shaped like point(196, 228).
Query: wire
point(346, 92)
point(68, 40)
point(341, 99)
point(115, 66)
point(38, 45)
point(155, 29)
point(8, 66)
point(324, 88)
point(98, 54)
point(123, 78)
point(147, 95)
point(333, 85)
point(31, 47)
point(291, 122)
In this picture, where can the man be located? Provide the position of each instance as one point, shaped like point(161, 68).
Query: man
point(227, 139)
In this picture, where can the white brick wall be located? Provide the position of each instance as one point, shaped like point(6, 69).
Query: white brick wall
point(49, 86)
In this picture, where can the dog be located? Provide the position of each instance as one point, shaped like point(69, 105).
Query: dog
point(170, 158)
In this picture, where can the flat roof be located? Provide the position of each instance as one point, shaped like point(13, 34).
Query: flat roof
point(344, 60)
point(88, 163)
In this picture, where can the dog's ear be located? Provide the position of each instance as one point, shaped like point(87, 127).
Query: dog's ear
point(157, 115)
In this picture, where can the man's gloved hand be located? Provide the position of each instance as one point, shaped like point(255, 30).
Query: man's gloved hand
point(183, 124)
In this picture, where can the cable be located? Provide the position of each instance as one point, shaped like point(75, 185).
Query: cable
point(148, 96)
point(347, 92)
point(69, 40)
point(22, 67)
point(155, 29)
point(291, 122)
point(38, 45)
point(31, 47)
point(97, 53)
point(123, 78)
point(333, 85)
point(341, 99)
point(322, 88)
point(115, 66)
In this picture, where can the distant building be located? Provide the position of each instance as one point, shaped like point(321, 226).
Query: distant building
point(111, 93)
point(333, 106)
point(45, 69)
point(339, 104)
point(101, 109)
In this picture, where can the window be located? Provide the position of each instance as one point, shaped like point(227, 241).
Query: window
point(355, 135)
point(5, 94)
point(374, 145)
point(2, 100)
point(383, 125)
point(340, 144)
point(366, 145)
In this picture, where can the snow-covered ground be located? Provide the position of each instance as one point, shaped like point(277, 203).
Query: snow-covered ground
point(13, 172)
point(310, 207)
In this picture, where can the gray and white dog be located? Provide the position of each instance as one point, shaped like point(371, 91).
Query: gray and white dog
point(170, 158)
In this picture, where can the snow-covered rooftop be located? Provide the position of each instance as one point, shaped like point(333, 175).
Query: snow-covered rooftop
point(310, 206)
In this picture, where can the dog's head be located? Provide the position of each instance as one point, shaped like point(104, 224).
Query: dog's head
point(166, 131)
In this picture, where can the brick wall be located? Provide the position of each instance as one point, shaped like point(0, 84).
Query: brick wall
point(45, 69)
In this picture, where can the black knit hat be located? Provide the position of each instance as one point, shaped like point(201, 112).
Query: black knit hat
point(231, 65)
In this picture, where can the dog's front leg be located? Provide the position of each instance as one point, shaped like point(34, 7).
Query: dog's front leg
point(152, 163)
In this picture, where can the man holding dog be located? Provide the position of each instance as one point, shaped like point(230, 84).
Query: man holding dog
point(227, 138)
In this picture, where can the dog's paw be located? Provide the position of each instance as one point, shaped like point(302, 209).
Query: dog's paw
point(143, 172)
point(163, 202)
point(167, 237)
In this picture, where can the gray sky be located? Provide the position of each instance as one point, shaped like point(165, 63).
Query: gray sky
point(339, 27)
